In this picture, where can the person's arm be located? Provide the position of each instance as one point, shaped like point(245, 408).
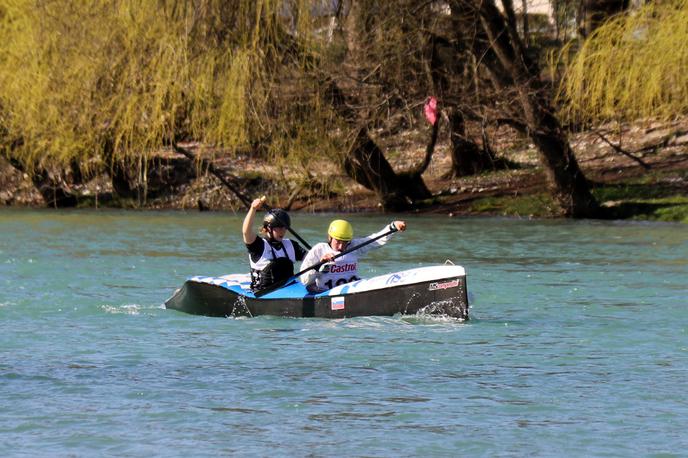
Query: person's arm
point(255, 249)
point(247, 228)
point(299, 251)
point(397, 226)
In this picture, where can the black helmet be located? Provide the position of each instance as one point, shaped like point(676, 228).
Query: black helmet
point(277, 218)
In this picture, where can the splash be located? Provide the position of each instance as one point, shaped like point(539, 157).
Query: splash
point(241, 308)
point(448, 309)
point(128, 309)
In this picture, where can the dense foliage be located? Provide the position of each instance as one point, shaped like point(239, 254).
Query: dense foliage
point(113, 79)
point(103, 84)
point(634, 66)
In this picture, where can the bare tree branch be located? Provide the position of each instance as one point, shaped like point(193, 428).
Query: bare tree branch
point(619, 149)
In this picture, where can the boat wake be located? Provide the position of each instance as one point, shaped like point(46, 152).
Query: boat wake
point(128, 309)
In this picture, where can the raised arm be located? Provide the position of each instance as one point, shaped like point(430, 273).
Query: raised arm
point(396, 226)
point(247, 228)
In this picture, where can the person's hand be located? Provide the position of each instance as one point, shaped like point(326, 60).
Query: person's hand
point(257, 203)
point(400, 225)
point(325, 268)
point(327, 257)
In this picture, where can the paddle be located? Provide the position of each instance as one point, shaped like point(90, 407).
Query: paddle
point(284, 223)
point(291, 279)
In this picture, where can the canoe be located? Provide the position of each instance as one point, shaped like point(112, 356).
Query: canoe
point(424, 290)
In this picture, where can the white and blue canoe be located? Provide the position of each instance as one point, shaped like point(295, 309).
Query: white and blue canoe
point(437, 289)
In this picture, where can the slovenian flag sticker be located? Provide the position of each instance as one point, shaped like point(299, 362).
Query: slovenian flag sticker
point(338, 303)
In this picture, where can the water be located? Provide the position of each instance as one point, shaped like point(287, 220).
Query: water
point(577, 344)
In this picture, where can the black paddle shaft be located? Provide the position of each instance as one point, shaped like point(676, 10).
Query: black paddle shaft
point(282, 283)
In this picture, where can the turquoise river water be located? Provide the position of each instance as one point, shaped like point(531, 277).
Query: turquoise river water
point(577, 344)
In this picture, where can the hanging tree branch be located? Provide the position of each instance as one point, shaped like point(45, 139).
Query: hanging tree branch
point(211, 168)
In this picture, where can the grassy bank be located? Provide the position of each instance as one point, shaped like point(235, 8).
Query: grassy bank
point(657, 197)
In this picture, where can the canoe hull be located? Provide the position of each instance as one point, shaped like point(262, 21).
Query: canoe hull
point(387, 295)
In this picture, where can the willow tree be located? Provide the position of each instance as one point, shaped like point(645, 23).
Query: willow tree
point(632, 67)
point(107, 83)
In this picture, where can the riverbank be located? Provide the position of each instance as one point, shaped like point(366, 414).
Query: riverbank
point(637, 171)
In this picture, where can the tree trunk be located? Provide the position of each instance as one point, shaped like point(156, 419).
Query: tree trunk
point(411, 180)
point(526, 27)
point(151, 177)
point(467, 158)
point(566, 181)
point(366, 164)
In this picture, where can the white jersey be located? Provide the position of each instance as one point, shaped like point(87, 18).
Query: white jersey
point(344, 269)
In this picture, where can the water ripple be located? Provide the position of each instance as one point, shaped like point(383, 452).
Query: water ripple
point(574, 348)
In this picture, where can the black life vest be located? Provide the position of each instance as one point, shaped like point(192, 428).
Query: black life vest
point(272, 266)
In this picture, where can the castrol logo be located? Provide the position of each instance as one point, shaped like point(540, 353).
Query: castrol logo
point(343, 268)
point(445, 285)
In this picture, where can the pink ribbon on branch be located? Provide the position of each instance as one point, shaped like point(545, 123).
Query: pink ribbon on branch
point(430, 110)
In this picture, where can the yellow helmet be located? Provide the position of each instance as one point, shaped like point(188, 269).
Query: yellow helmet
point(341, 230)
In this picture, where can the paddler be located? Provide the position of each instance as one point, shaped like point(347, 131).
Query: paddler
point(271, 256)
point(344, 269)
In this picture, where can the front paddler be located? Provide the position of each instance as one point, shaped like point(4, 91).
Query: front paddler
point(340, 235)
